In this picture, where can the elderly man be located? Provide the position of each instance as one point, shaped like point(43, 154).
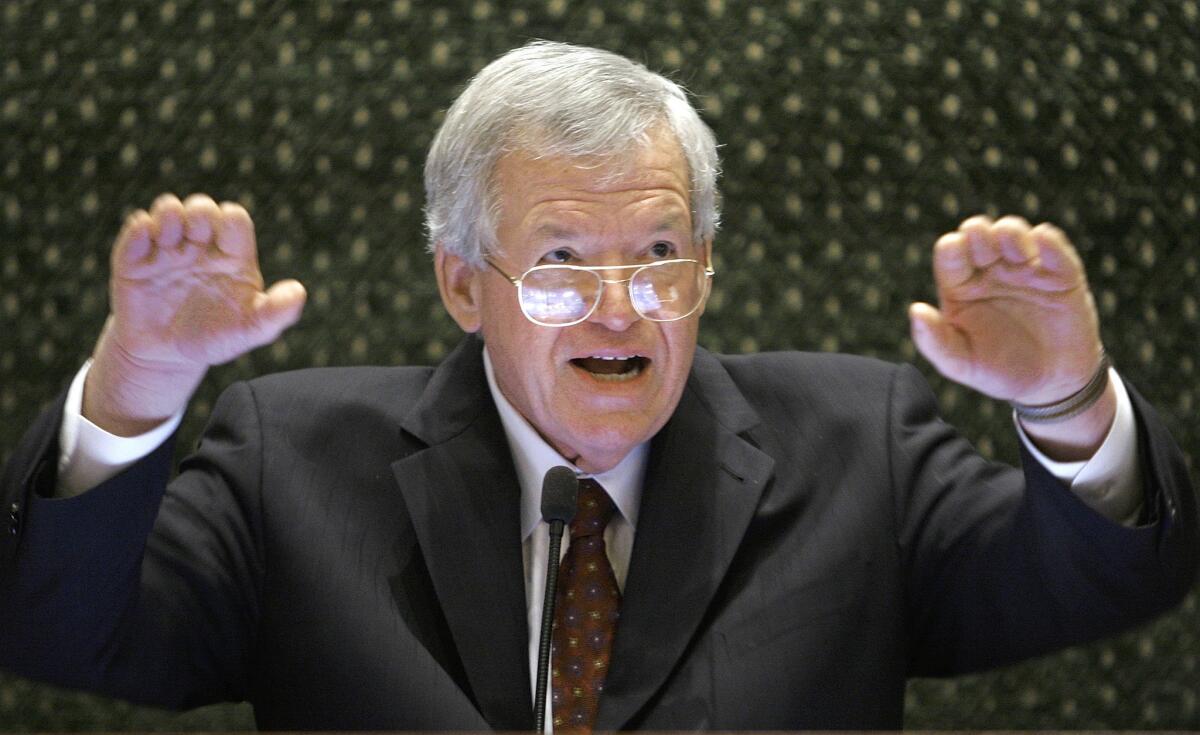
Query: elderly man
point(763, 541)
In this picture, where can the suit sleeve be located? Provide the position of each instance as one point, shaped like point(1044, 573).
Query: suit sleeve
point(133, 589)
point(1003, 565)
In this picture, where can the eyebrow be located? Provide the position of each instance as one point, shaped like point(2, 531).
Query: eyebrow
point(549, 231)
point(673, 222)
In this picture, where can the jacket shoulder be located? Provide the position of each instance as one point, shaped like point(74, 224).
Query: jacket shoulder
point(811, 377)
point(309, 401)
point(399, 385)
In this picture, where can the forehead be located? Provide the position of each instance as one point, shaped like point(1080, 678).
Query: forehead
point(653, 177)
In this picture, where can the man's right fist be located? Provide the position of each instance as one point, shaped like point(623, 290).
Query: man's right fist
point(186, 292)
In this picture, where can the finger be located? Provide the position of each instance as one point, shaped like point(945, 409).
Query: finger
point(200, 216)
point(177, 259)
point(1057, 254)
point(1014, 239)
point(978, 232)
point(167, 214)
point(235, 235)
point(952, 261)
point(133, 242)
point(277, 309)
point(944, 345)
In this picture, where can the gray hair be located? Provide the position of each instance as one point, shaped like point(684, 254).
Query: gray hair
point(555, 99)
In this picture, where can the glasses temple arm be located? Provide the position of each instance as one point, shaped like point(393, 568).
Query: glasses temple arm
point(513, 281)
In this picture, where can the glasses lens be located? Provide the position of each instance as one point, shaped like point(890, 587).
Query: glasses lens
point(558, 295)
point(668, 291)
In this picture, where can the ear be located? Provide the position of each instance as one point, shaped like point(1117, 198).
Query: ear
point(458, 283)
point(706, 259)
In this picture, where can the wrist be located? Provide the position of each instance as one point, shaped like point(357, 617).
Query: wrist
point(1073, 405)
point(1077, 437)
point(128, 397)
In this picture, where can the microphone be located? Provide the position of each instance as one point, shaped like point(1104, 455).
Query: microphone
point(560, 488)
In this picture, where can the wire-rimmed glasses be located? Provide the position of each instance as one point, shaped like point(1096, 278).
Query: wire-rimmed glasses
point(559, 295)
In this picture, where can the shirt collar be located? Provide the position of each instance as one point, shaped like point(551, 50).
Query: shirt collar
point(532, 457)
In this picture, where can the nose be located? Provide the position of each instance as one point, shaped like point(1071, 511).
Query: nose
point(615, 311)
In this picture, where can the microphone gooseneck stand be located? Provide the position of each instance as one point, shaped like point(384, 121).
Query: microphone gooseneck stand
point(560, 488)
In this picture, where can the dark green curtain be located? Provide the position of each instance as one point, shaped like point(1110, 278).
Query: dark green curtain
point(854, 134)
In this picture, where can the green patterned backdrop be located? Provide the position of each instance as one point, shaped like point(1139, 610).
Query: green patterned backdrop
point(854, 133)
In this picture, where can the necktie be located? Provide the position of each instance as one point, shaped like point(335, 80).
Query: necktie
point(585, 617)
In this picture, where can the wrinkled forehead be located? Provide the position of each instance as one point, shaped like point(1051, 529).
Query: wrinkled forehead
point(617, 160)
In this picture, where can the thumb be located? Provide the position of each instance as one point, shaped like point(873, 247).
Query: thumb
point(278, 309)
point(940, 342)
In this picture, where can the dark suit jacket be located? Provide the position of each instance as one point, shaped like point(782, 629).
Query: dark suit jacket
point(343, 550)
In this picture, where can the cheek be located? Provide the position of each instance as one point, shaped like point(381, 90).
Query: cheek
point(681, 346)
point(522, 358)
point(502, 324)
point(680, 337)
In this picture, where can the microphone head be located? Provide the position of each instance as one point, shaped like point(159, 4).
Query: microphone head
point(560, 488)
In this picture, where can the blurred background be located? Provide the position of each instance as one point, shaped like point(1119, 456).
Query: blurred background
point(854, 133)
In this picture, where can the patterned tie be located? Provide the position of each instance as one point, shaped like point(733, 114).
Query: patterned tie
point(585, 615)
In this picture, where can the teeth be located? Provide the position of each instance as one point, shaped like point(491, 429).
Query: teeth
point(632, 365)
point(618, 377)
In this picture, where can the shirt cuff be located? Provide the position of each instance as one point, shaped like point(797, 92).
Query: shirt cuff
point(89, 455)
point(1110, 482)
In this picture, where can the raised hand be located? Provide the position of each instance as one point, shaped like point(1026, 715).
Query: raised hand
point(186, 292)
point(1017, 320)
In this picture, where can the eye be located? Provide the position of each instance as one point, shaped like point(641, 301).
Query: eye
point(662, 249)
point(558, 255)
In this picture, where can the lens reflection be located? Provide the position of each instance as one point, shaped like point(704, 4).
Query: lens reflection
point(563, 295)
point(556, 301)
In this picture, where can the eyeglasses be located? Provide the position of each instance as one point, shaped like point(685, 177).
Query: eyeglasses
point(562, 295)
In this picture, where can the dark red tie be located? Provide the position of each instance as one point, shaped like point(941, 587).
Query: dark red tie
point(585, 615)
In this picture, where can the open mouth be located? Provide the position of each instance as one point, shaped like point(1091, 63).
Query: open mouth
point(612, 369)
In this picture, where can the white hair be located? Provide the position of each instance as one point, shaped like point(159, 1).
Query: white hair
point(555, 99)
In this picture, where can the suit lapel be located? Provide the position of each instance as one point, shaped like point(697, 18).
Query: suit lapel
point(464, 500)
point(702, 486)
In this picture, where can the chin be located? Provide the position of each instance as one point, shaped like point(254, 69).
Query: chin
point(609, 437)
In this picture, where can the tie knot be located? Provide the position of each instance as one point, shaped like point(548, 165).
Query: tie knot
point(593, 510)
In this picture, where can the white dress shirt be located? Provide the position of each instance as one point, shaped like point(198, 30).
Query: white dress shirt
point(1109, 482)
